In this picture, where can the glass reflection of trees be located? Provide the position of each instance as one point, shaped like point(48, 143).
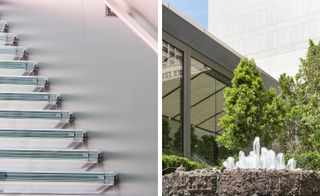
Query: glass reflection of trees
point(205, 148)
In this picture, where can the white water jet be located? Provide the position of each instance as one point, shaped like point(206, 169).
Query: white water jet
point(256, 150)
point(229, 163)
point(260, 158)
point(291, 164)
point(280, 163)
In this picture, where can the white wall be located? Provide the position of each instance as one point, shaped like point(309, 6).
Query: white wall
point(108, 77)
point(274, 32)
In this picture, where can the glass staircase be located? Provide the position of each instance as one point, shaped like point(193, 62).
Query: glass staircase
point(14, 57)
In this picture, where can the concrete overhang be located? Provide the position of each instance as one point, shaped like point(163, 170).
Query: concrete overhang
point(186, 31)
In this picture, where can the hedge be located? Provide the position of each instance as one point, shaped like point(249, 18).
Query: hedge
point(171, 162)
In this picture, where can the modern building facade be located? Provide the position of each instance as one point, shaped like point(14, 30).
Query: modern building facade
point(273, 32)
point(196, 68)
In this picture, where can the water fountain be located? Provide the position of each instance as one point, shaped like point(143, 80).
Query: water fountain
point(261, 172)
point(260, 158)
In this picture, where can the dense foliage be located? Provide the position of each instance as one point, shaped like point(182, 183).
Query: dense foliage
point(288, 120)
point(171, 162)
point(300, 100)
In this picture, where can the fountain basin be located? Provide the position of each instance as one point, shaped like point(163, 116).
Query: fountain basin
point(242, 182)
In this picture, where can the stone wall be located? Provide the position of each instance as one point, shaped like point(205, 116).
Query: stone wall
point(241, 183)
point(199, 182)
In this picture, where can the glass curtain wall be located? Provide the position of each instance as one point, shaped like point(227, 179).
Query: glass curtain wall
point(172, 65)
point(206, 107)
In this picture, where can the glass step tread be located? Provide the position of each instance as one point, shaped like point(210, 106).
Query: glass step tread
point(36, 114)
point(23, 80)
point(15, 64)
point(51, 154)
point(79, 135)
point(7, 38)
point(11, 52)
point(109, 178)
point(49, 97)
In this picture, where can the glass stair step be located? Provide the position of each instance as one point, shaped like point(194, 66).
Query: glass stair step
point(14, 64)
point(37, 114)
point(49, 97)
point(52, 154)
point(7, 39)
point(23, 80)
point(45, 133)
point(12, 52)
point(108, 178)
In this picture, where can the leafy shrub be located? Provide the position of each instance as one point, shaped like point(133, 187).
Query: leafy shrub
point(309, 160)
point(171, 162)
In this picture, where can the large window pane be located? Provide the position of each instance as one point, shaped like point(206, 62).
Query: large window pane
point(172, 64)
point(205, 109)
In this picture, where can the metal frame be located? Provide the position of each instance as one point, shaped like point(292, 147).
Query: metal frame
point(4, 27)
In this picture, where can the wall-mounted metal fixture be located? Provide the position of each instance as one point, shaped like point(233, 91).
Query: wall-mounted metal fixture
point(4, 26)
point(52, 154)
point(133, 24)
point(37, 114)
point(8, 39)
point(109, 12)
point(108, 178)
point(77, 135)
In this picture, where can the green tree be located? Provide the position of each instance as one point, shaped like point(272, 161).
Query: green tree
point(300, 99)
point(289, 113)
point(248, 107)
point(308, 92)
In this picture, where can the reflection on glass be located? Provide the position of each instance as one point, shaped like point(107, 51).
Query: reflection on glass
point(172, 62)
point(206, 107)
